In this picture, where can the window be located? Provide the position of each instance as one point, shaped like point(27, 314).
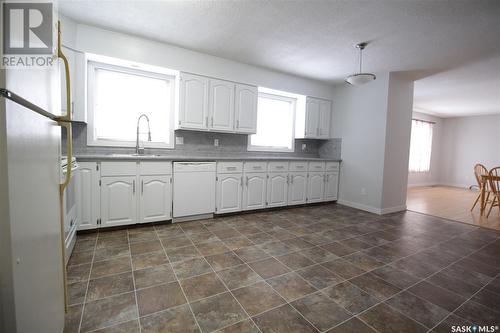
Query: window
point(420, 146)
point(275, 121)
point(118, 95)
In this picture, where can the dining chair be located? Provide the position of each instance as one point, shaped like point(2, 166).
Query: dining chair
point(495, 189)
point(479, 171)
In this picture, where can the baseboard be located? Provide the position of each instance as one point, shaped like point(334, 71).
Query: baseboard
point(423, 185)
point(371, 209)
point(192, 218)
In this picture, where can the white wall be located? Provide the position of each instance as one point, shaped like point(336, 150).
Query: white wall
point(103, 42)
point(465, 142)
point(432, 177)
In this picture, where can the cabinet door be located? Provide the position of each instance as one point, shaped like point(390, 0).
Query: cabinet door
point(193, 105)
point(297, 188)
point(325, 112)
point(155, 203)
point(312, 118)
point(88, 195)
point(70, 55)
point(254, 191)
point(118, 200)
point(277, 189)
point(331, 186)
point(229, 192)
point(246, 109)
point(315, 187)
point(221, 105)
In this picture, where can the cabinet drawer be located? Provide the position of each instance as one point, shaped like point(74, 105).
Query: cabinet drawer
point(332, 166)
point(155, 168)
point(229, 167)
point(255, 166)
point(277, 167)
point(316, 166)
point(118, 168)
point(298, 166)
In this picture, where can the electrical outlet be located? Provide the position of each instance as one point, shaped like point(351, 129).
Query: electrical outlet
point(363, 191)
point(216, 142)
point(179, 140)
point(304, 147)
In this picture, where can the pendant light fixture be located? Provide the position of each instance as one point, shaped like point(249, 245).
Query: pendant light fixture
point(360, 78)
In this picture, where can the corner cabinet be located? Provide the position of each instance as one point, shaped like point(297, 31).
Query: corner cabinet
point(209, 104)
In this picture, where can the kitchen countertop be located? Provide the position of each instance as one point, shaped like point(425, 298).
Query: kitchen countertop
point(129, 157)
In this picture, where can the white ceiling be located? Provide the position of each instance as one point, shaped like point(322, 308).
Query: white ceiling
point(315, 39)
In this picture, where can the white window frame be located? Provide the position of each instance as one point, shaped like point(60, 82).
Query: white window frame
point(99, 63)
point(427, 167)
point(283, 96)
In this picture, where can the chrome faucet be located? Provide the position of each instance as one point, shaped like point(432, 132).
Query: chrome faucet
point(140, 151)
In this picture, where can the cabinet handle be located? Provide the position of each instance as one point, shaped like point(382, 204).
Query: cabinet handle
point(241, 181)
point(287, 179)
point(247, 181)
point(142, 186)
point(206, 121)
point(237, 124)
point(291, 180)
point(212, 120)
point(133, 186)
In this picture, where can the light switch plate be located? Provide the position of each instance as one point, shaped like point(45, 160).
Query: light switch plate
point(179, 140)
point(216, 142)
point(304, 146)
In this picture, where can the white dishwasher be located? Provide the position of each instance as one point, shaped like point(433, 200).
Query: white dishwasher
point(194, 190)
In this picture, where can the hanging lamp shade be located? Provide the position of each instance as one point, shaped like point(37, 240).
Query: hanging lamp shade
point(360, 77)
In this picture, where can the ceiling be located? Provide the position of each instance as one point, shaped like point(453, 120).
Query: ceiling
point(315, 39)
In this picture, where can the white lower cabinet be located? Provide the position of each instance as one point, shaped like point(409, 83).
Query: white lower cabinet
point(88, 195)
point(277, 189)
point(155, 201)
point(254, 191)
point(229, 193)
point(297, 188)
point(331, 186)
point(118, 201)
point(315, 187)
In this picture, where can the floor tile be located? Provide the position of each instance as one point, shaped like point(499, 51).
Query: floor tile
point(237, 242)
point(171, 243)
point(251, 253)
point(226, 233)
point(202, 286)
point(112, 252)
point(318, 254)
point(146, 260)
point(437, 295)
point(291, 286)
point(353, 325)
point(152, 276)
point(110, 267)
point(375, 286)
point(275, 248)
point(385, 319)
point(258, 298)
point(261, 238)
point(477, 313)
point(174, 320)
point(142, 237)
point(446, 326)
point(76, 292)
point(454, 284)
point(364, 261)
point(183, 253)
point(268, 268)
point(488, 299)
point(78, 258)
point(238, 276)
point(321, 311)
point(158, 298)
point(78, 273)
point(343, 268)
point(350, 297)
point(338, 249)
point(82, 245)
point(191, 267)
point(424, 312)
point(295, 260)
point(111, 242)
point(217, 312)
point(319, 276)
point(415, 267)
point(245, 326)
point(283, 319)
point(109, 286)
point(204, 237)
point(109, 311)
point(127, 327)
point(208, 249)
point(72, 318)
point(395, 276)
point(145, 247)
point(223, 260)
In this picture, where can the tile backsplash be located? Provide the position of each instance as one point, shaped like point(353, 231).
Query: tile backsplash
point(202, 143)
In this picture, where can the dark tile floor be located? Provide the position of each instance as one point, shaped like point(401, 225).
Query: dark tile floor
point(323, 268)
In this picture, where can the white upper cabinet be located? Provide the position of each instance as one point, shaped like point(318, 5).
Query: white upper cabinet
point(78, 84)
point(314, 122)
point(229, 193)
point(221, 106)
point(325, 112)
point(312, 118)
point(193, 102)
point(70, 56)
point(246, 109)
point(155, 199)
